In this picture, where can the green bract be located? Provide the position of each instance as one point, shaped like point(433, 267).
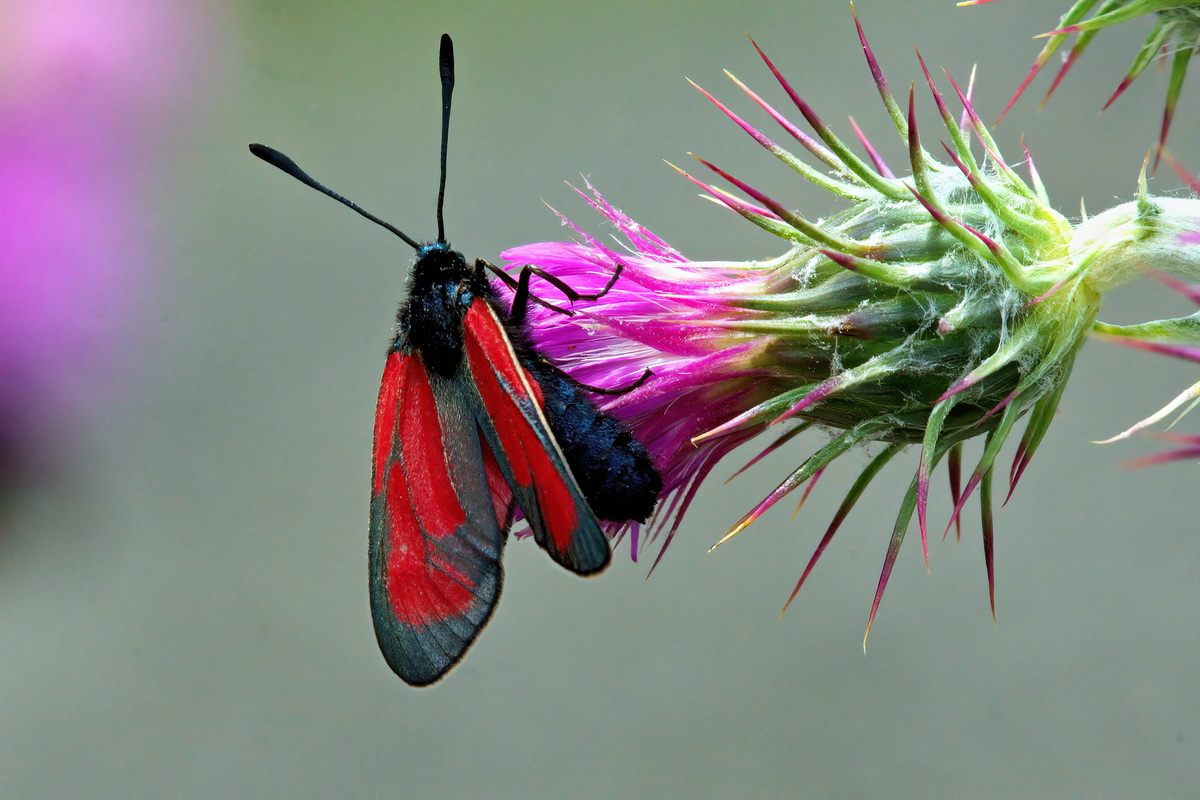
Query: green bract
point(1176, 32)
point(940, 306)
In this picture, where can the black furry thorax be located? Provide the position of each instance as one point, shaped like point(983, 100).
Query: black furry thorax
point(441, 288)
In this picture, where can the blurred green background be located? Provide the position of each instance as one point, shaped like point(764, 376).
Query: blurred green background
point(183, 607)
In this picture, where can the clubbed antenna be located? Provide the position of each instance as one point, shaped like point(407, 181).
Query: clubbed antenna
point(280, 161)
point(446, 66)
point(286, 164)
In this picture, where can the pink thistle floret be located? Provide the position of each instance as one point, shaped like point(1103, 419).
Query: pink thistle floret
point(659, 316)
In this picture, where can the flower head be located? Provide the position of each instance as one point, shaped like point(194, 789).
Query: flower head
point(1176, 33)
point(937, 307)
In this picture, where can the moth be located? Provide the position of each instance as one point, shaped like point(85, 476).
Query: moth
point(471, 425)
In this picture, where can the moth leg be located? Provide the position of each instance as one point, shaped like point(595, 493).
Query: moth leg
point(520, 304)
point(522, 295)
point(645, 376)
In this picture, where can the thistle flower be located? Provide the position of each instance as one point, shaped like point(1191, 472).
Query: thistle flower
point(1176, 32)
point(936, 308)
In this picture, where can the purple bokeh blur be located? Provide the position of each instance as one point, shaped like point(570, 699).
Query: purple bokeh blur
point(87, 87)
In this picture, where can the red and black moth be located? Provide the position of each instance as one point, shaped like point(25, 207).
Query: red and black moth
point(471, 425)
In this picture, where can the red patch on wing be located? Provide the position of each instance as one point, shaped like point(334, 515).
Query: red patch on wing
point(420, 431)
point(423, 588)
point(491, 359)
point(385, 413)
point(421, 503)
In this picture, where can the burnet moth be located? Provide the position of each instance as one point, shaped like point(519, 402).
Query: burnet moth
point(471, 425)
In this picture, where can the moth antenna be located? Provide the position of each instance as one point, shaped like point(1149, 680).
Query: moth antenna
point(281, 162)
point(446, 66)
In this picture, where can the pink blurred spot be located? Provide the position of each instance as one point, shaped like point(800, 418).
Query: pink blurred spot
point(86, 89)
